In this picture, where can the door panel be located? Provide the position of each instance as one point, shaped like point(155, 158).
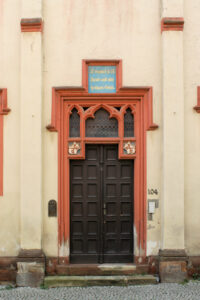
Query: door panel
point(85, 207)
point(101, 193)
point(118, 228)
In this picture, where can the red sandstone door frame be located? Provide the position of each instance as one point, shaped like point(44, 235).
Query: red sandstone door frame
point(140, 101)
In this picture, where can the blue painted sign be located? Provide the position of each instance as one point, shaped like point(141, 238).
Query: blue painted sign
point(101, 79)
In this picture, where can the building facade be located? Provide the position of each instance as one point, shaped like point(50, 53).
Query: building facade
point(99, 136)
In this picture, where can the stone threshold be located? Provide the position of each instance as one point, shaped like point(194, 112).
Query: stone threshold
point(84, 281)
point(100, 269)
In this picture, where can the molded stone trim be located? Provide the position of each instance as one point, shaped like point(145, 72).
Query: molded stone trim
point(31, 25)
point(4, 110)
point(197, 107)
point(172, 24)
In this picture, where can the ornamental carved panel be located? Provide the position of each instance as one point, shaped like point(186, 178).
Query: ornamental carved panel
point(74, 148)
point(101, 123)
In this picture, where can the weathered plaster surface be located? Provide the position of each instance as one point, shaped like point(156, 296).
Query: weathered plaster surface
point(106, 29)
point(114, 31)
point(9, 78)
point(192, 123)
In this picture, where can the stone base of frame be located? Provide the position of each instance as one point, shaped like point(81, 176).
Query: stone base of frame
point(8, 269)
point(173, 265)
point(35, 267)
point(30, 268)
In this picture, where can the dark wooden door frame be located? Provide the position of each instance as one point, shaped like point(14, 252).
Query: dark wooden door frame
point(110, 239)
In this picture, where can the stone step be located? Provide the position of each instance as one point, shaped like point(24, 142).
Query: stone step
point(101, 269)
point(79, 281)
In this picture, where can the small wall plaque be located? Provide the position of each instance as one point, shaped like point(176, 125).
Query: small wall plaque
point(102, 79)
point(52, 208)
point(151, 207)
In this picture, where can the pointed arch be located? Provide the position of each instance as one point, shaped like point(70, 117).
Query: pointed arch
point(113, 112)
point(74, 123)
point(126, 106)
point(79, 109)
point(128, 123)
point(101, 125)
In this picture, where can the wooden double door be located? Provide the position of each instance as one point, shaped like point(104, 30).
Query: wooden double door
point(101, 207)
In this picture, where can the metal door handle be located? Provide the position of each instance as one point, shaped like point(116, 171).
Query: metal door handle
point(104, 209)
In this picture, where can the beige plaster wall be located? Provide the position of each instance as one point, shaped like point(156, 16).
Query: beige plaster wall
point(100, 29)
point(31, 8)
point(173, 8)
point(173, 142)
point(192, 126)
point(105, 29)
point(9, 78)
point(118, 31)
point(97, 29)
point(31, 140)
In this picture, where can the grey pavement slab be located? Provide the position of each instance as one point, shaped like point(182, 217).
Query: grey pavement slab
point(167, 291)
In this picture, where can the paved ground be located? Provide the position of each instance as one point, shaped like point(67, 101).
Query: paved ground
point(189, 291)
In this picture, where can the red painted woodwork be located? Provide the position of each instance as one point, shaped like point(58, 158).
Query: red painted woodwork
point(197, 107)
point(139, 100)
point(31, 25)
point(4, 110)
point(1, 155)
point(172, 24)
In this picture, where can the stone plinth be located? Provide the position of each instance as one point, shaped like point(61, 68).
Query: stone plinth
point(30, 268)
point(173, 266)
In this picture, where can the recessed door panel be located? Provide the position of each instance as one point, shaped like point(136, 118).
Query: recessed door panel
point(101, 193)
